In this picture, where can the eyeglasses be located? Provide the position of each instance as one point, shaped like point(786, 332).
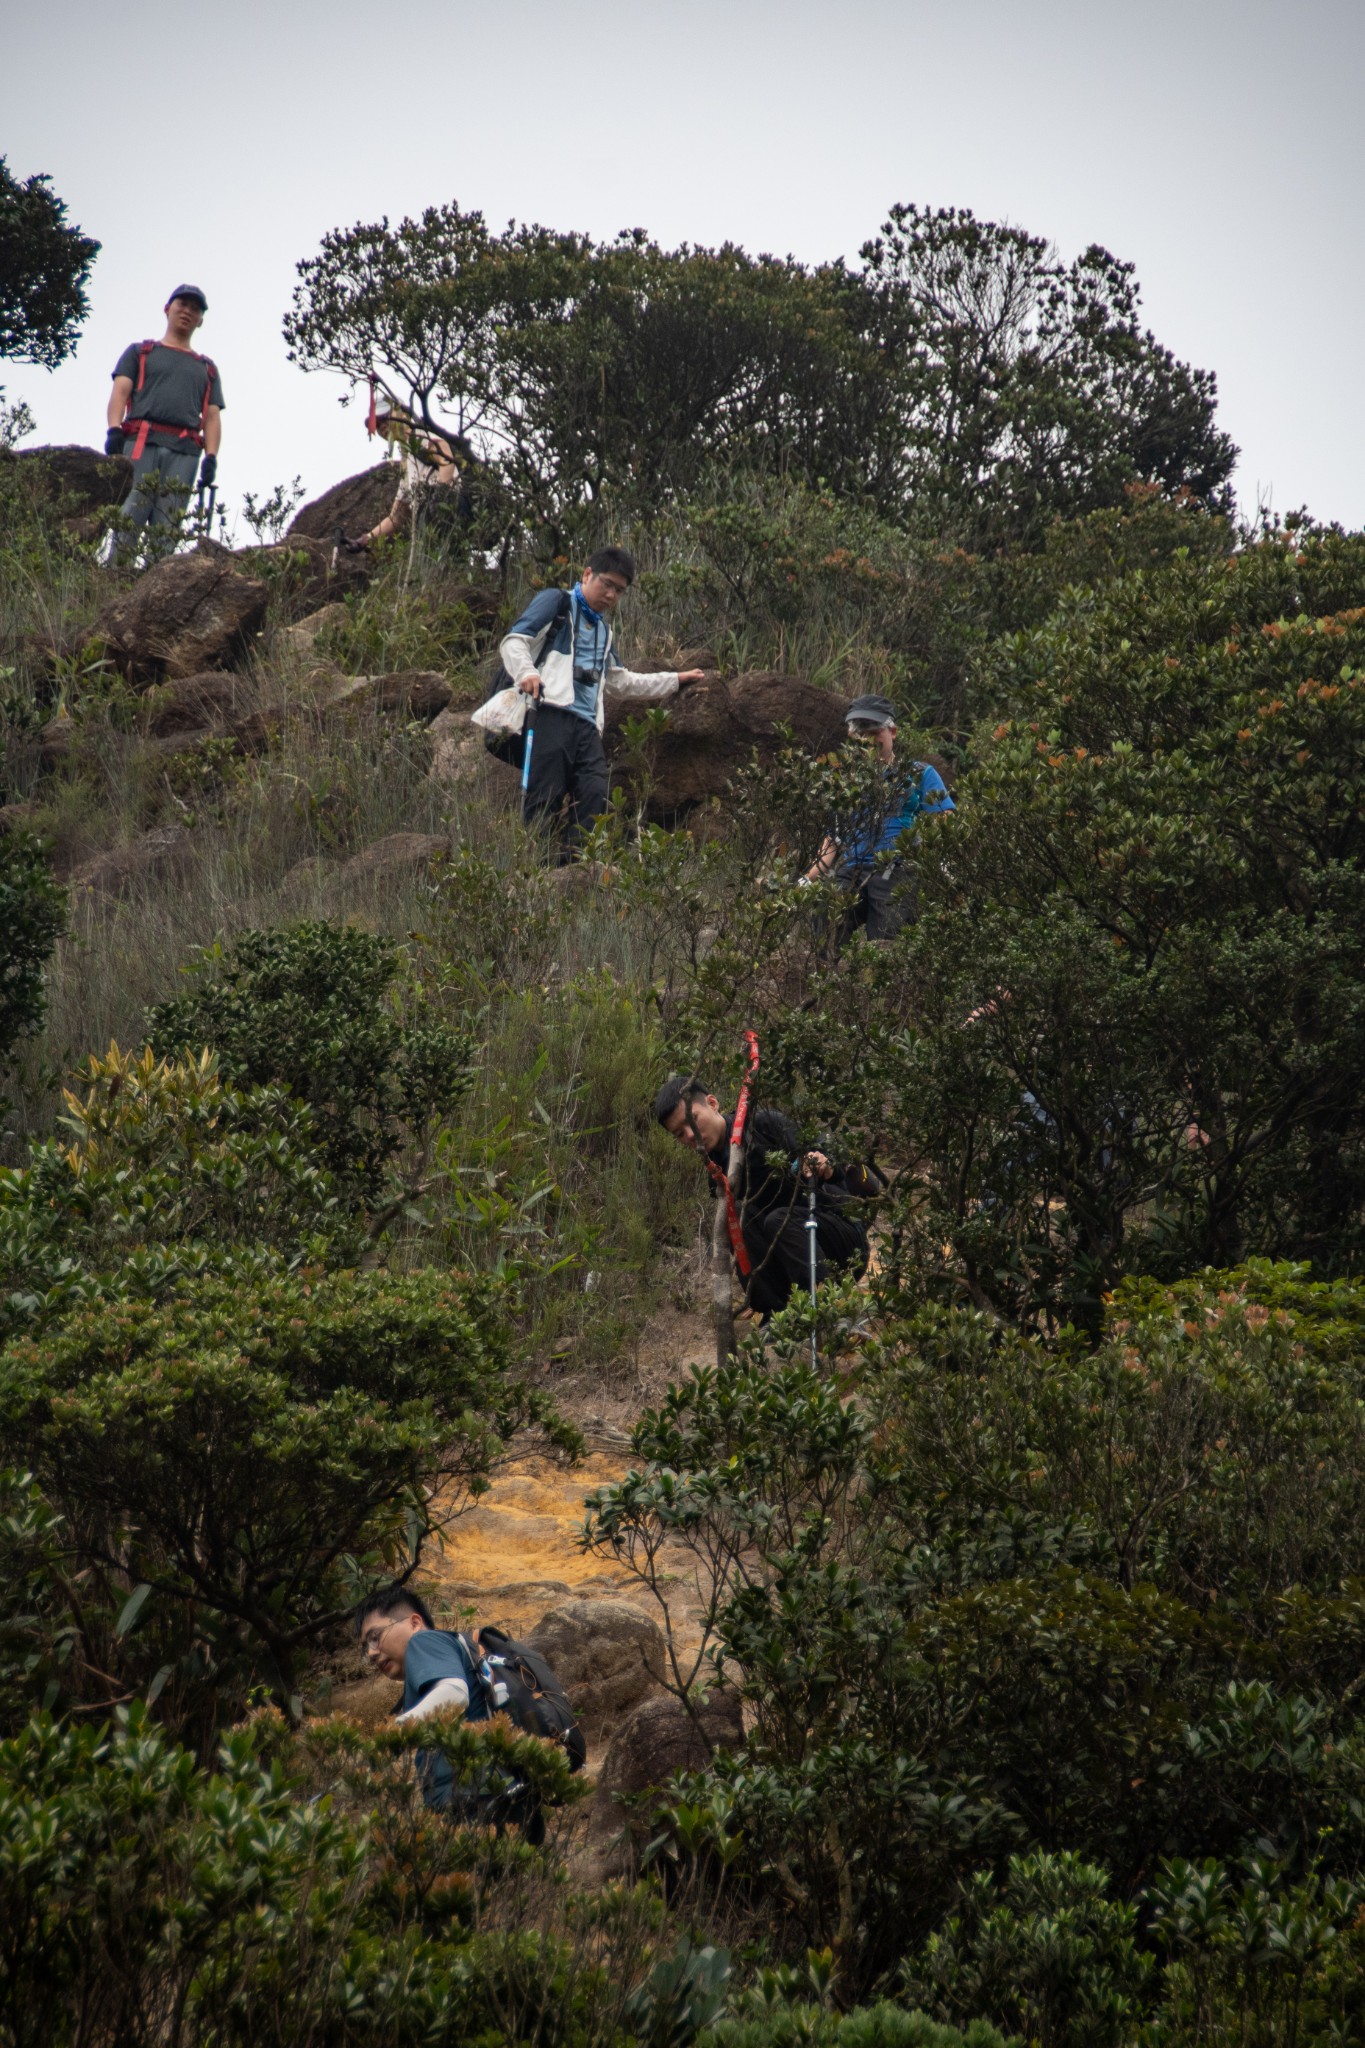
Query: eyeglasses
point(374, 1636)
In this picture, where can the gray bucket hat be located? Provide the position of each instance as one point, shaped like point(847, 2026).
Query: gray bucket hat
point(870, 711)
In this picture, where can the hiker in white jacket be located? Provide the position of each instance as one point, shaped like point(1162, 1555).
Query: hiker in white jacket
point(560, 652)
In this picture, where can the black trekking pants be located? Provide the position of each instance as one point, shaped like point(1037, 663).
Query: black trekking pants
point(567, 760)
point(779, 1252)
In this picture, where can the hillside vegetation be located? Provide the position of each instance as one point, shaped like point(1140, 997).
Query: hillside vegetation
point(329, 1176)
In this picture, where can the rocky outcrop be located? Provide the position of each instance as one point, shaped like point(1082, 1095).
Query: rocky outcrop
point(607, 1655)
point(660, 1737)
point(302, 637)
point(302, 573)
point(213, 699)
point(189, 613)
point(417, 693)
point(715, 726)
point(81, 482)
point(120, 868)
point(355, 505)
point(400, 853)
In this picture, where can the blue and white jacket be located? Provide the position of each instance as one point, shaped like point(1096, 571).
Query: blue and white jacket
point(541, 644)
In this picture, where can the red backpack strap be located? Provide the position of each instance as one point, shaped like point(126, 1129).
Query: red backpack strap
point(144, 349)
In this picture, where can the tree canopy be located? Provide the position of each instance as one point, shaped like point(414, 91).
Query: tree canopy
point(960, 377)
point(44, 264)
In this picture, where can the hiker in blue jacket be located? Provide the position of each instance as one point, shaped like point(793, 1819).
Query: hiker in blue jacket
point(865, 854)
point(560, 652)
point(401, 1640)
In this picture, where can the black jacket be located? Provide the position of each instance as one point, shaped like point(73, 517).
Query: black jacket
point(766, 1182)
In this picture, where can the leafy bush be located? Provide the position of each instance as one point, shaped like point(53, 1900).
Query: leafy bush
point(317, 1008)
point(234, 1463)
point(141, 1893)
point(32, 918)
point(169, 1173)
point(1157, 1547)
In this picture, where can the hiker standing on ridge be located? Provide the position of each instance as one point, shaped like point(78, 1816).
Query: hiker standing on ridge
point(881, 899)
point(166, 408)
point(775, 1180)
point(430, 487)
point(560, 653)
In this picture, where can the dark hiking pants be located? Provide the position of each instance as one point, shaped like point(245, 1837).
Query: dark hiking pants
point(882, 901)
point(779, 1252)
point(567, 760)
point(163, 479)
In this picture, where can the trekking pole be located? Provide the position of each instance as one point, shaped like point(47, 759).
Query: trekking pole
point(527, 745)
point(812, 1225)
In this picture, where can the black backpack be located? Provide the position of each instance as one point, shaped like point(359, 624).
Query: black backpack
point(536, 1701)
point(511, 746)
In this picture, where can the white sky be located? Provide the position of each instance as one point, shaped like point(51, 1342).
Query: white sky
point(1216, 144)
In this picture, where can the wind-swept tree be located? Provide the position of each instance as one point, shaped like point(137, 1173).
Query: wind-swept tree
point(44, 265)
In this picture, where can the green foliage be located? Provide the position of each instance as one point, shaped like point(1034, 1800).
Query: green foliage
point(169, 1173)
point(318, 1009)
point(1156, 1547)
point(256, 1454)
point(872, 2026)
point(32, 918)
point(37, 1635)
point(43, 268)
point(963, 378)
point(1025, 390)
point(1048, 1954)
point(1125, 1033)
point(135, 1884)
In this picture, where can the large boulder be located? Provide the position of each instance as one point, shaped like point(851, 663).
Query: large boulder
point(216, 698)
point(660, 1737)
point(398, 854)
point(302, 573)
point(607, 1655)
point(354, 505)
point(713, 728)
point(417, 693)
point(121, 868)
point(81, 482)
point(191, 612)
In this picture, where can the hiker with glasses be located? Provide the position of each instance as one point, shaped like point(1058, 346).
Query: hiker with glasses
point(165, 413)
point(430, 491)
point(776, 1178)
point(400, 1640)
point(865, 854)
point(560, 653)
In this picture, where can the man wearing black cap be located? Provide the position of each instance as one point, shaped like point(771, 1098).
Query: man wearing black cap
point(858, 856)
point(164, 410)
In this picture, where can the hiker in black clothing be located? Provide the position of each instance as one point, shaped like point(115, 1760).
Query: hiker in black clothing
point(775, 1179)
point(165, 408)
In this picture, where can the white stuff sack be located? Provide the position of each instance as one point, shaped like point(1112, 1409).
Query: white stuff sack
point(504, 711)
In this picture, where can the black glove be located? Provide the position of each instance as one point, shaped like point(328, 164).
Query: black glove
point(354, 547)
point(208, 470)
point(113, 441)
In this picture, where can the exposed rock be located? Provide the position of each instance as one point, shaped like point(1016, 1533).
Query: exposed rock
point(416, 692)
point(301, 638)
point(398, 853)
point(608, 1656)
point(302, 573)
point(355, 505)
point(55, 741)
point(713, 728)
point(191, 612)
point(155, 854)
point(193, 702)
point(660, 1737)
point(84, 481)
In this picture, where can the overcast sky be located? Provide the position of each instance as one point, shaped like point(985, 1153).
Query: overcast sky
point(1215, 144)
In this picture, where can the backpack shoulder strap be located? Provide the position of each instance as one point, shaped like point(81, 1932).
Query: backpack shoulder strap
point(144, 349)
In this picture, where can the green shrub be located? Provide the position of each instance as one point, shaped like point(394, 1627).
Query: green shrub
point(32, 919)
point(235, 1463)
point(1012, 1597)
point(317, 1008)
point(169, 1173)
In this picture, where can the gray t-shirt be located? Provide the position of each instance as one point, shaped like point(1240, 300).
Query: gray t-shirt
point(172, 390)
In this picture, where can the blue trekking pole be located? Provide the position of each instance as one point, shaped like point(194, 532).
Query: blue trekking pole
point(528, 743)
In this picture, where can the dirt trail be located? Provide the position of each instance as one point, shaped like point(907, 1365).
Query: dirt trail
point(516, 1554)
